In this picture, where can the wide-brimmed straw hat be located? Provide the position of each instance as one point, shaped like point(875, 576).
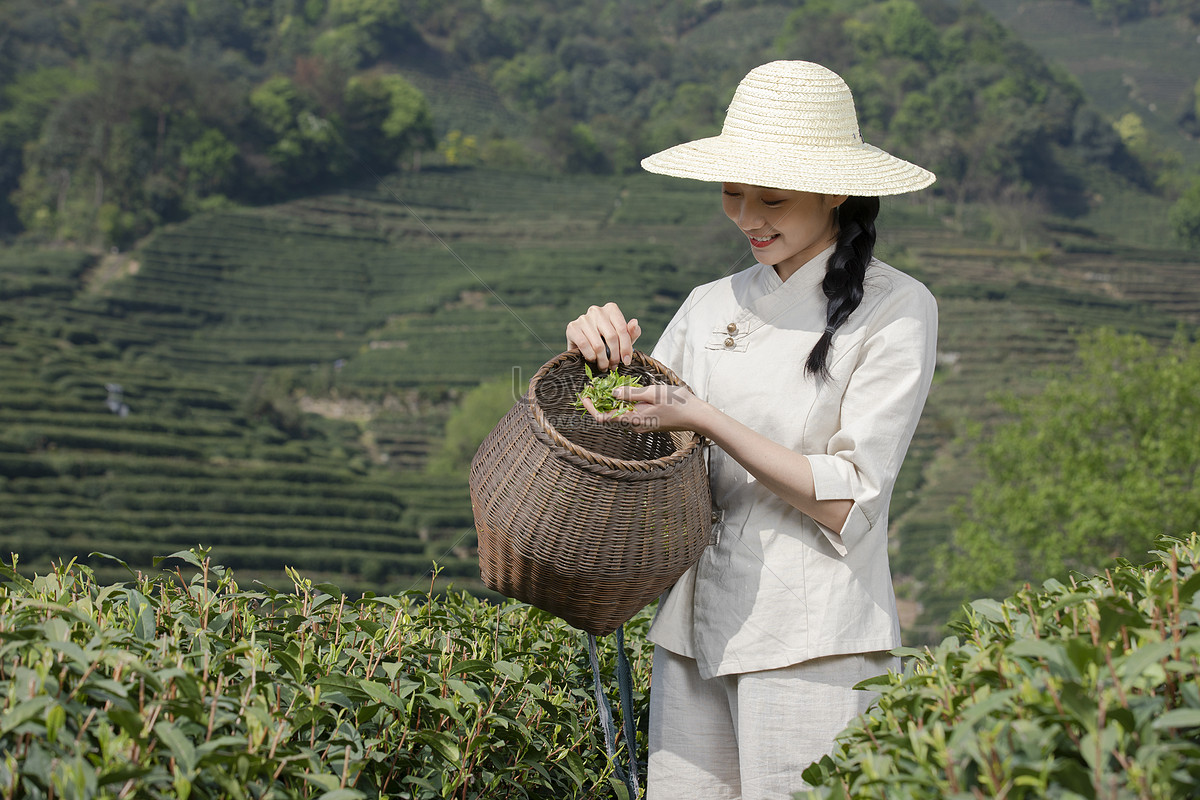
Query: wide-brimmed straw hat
point(792, 125)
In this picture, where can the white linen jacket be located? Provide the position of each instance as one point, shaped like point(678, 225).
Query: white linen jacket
point(779, 588)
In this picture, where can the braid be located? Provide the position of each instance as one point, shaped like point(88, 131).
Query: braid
point(843, 283)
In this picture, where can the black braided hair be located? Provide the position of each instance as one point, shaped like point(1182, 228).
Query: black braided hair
point(843, 283)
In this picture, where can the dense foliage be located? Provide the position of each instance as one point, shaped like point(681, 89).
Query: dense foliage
point(116, 117)
point(1117, 11)
point(182, 684)
point(1083, 690)
point(1185, 216)
point(952, 90)
point(941, 83)
point(168, 685)
point(1098, 464)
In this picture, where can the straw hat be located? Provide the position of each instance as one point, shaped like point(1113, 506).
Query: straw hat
point(792, 125)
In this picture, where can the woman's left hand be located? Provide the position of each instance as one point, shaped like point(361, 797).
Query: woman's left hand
point(659, 407)
point(786, 473)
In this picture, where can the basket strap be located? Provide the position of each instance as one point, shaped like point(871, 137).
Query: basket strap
point(625, 686)
point(604, 709)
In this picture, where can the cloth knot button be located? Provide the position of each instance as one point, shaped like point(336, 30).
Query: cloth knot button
point(731, 327)
point(729, 341)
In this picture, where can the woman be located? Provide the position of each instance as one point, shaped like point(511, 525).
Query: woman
point(809, 371)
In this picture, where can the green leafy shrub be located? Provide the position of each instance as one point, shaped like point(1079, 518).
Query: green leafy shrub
point(1090, 690)
point(1098, 462)
point(470, 423)
point(165, 686)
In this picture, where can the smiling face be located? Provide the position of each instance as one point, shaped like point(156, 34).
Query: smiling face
point(785, 228)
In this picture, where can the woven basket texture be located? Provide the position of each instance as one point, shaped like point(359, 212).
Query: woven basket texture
point(587, 521)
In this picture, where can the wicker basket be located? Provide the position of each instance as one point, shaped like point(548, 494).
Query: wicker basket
point(585, 520)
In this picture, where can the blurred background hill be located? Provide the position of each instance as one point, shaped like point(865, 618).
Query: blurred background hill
point(272, 268)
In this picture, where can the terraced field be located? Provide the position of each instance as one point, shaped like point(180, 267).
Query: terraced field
point(287, 371)
point(107, 446)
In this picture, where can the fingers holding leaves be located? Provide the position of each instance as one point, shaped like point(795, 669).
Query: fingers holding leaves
point(603, 336)
point(598, 398)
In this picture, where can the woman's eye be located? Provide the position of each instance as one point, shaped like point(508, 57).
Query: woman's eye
point(772, 203)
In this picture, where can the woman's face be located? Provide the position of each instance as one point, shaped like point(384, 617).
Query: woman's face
point(785, 228)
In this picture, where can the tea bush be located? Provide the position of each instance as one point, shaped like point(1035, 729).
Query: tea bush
point(1087, 690)
point(195, 687)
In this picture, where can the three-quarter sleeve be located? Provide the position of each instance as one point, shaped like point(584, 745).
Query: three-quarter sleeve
point(880, 408)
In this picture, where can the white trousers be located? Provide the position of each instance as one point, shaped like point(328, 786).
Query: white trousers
point(749, 736)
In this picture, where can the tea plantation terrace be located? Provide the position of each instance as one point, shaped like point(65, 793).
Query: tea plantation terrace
point(377, 306)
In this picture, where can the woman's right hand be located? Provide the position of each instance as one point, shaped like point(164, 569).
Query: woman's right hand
point(601, 326)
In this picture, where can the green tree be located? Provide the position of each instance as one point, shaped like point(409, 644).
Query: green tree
point(210, 161)
point(302, 145)
point(527, 79)
point(1185, 216)
point(582, 151)
point(478, 413)
point(895, 28)
point(691, 111)
point(375, 14)
point(363, 31)
point(1096, 466)
point(24, 105)
point(1132, 131)
point(112, 145)
point(347, 46)
point(386, 117)
point(1160, 162)
point(90, 152)
point(117, 115)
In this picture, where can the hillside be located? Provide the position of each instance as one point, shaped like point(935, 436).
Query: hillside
point(1148, 66)
point(376, 307)
point(119, 117)
point(271, 380)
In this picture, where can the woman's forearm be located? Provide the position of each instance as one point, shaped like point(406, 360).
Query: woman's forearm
point(786, 473)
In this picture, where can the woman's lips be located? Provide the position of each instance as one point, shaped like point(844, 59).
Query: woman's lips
point(757, 241)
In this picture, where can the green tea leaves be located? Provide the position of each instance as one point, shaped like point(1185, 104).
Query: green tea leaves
point(599, 389)
point(125, 690)
point(1088, 691)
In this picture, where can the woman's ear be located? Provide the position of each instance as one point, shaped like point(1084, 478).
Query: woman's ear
point(835, 200)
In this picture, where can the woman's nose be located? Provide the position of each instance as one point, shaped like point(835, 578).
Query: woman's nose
point(749, 218)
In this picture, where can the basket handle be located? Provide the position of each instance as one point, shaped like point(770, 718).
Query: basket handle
point(620, 469)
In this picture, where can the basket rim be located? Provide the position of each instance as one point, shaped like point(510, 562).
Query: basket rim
point(630, 465)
